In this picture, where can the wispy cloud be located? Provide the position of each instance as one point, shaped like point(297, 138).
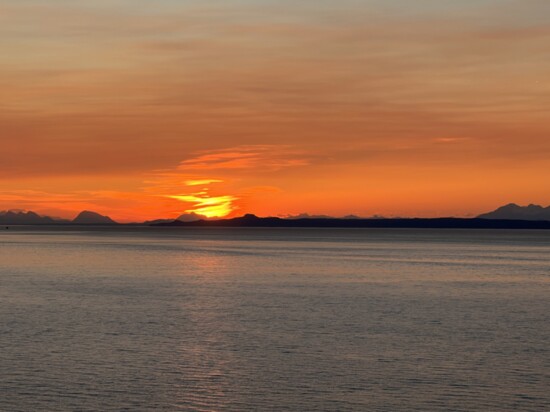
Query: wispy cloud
point(265, 157)
point(202, 182)
point(451, 139)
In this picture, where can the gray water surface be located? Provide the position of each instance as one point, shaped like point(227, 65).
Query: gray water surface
point(274, 319)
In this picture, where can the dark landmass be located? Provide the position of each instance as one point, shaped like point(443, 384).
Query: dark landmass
point(438, 223)
point(92, 218)
point(308, 216)
point(510, 216)
point(155, 222)
point(515, 212)
point(11, 217)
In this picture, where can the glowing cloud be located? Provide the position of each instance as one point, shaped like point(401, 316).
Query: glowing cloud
point(202, 182)
point(266, 157)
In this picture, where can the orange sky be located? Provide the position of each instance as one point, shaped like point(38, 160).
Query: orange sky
point(144, 110)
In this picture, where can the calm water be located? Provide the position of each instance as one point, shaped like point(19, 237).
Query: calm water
point(264, 319)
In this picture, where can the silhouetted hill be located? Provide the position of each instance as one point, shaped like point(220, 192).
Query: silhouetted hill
point(11, 217)
point(154, 222)
point(439, 223)
point(186, 217)
point(191, 217)
point(92, 218)
point(515, 212)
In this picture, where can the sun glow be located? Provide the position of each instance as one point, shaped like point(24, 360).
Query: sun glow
point(209, 206)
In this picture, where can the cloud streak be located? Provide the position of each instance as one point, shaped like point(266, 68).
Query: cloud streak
point(260, 157)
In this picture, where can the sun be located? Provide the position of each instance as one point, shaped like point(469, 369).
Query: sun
point(209, 206)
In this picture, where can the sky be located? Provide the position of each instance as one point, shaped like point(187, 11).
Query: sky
point(143, 109)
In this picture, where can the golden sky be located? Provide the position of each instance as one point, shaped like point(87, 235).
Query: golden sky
point(150, 109)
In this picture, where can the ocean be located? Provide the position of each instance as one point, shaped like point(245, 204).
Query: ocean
point(213, 319)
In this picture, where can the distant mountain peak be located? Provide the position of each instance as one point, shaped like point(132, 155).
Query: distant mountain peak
point(513, 211)
point(191, 217)
point(88, 217)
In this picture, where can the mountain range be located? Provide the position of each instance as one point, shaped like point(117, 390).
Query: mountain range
point(250, 220)
point(510, 212)
point(14, 217)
